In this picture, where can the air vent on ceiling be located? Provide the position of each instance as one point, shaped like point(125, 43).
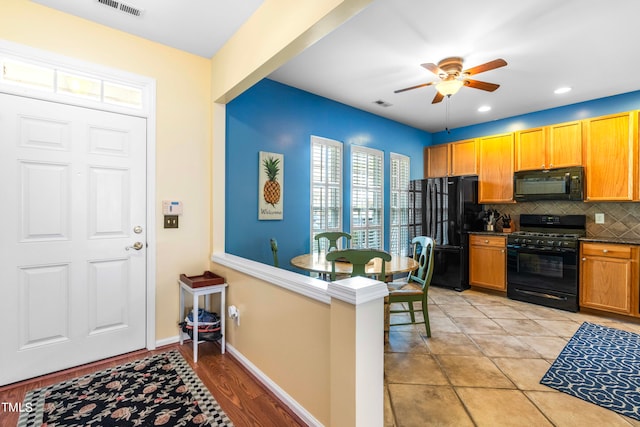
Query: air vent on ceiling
point(122, 7)
point(382, 103)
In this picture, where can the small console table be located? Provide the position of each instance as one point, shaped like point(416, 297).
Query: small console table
point(196, 293)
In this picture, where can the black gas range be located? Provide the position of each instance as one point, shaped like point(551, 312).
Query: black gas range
point(542, 260)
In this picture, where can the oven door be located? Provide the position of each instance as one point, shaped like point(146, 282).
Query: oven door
point(541, 269)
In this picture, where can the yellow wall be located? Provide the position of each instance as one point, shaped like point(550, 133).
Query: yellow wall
point(183, 129)
point(285, 335)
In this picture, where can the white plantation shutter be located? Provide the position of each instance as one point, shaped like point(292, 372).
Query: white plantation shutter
point(399, 210)
point(367, 198)
point(326, 187)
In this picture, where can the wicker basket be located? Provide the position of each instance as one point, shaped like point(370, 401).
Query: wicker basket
point(205, 332)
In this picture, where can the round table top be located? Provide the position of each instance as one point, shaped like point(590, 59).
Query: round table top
point(316, 262)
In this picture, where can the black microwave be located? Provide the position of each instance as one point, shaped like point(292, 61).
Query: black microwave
point(549, 184)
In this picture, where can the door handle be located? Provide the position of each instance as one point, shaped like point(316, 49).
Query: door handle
point(137, 246)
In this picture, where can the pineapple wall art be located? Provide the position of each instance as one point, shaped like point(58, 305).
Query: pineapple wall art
point(270, 187)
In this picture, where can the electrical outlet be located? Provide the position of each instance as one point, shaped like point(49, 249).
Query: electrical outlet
point(599, 218)
point(171, 221)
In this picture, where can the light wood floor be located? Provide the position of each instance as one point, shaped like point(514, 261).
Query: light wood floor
point(241, 396)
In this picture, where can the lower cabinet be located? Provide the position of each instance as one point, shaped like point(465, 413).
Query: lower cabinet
point(609, 278)
point(488, 261)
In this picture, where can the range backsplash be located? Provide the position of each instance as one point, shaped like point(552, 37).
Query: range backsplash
point(620, 219)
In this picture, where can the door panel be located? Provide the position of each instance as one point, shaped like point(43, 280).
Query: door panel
point(72, 292)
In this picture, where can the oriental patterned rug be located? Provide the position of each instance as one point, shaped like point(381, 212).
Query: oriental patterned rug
point(158, 390)
point(600, 365)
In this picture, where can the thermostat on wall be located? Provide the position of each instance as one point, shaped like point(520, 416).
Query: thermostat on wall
point(170, 207)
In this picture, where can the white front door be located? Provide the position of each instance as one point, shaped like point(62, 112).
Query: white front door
point(72, 205)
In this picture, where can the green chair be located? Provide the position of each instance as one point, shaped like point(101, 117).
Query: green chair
point(333, 237)
point(358, 259)
point(274, 250)
point(414, 289)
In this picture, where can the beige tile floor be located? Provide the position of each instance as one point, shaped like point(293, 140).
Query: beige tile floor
point(483, 363)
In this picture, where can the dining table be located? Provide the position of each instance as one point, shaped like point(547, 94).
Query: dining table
point(316, 262)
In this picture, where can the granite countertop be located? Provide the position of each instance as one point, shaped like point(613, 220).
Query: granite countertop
point(619, 240)
point(594, 239)
point(490, 233)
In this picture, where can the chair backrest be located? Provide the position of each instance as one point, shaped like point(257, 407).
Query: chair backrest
point(274, 249)
point(333, 237)
point(358, 259)
point(423, 249)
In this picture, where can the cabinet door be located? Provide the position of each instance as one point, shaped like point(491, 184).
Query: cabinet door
point(464, 157)
point(487, 267)
point(495, 169)
point(605, 284)
point(487, 261)
point(610, 157)
point(564, 146)
point(530, 148)
point(438, 161)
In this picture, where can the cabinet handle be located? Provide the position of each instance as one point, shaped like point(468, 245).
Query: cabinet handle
point(502, 251)
point(605, 251)
point(542, 166)
point(486, 241)
point(584, 259)
point(551, 165)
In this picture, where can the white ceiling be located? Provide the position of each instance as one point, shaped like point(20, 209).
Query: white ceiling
point(197, 26)
point(589, 45)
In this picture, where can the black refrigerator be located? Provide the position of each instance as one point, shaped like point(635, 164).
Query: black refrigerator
point(446, 209)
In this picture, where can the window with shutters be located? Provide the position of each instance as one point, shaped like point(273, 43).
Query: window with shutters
point(367, 198)
point(326, 188)
point(399, 209)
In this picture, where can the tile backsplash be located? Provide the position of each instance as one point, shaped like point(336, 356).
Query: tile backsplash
point(620, 219)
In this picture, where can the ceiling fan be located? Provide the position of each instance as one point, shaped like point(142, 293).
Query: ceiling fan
point(453, 77)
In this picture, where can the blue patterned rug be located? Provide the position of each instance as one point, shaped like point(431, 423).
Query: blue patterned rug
point(159, 390)
point(600, 365)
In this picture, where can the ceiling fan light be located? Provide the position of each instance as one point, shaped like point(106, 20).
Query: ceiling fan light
point(449, 87)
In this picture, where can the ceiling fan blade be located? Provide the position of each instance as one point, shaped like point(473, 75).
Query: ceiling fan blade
point(477, 84)
point(433, 68)
point(438, 98)
point(413, 87)
point(491, 65)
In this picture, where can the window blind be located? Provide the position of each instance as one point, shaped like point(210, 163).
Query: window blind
point(399, 210)
point(326, 188)
point(367, 198)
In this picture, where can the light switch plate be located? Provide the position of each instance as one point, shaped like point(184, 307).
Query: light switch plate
point(599, 218)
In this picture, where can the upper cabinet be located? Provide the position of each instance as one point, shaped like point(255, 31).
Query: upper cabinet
point(548, 147)
point(463, 157)
point(452, 159)
point(495, 168)
point(611, 157)
point(437, 161)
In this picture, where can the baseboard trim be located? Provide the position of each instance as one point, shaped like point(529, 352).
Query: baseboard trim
point(167, 341)
point(298, 409)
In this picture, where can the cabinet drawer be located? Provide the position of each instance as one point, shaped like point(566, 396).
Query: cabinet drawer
point(479, 240)
point(606, 250)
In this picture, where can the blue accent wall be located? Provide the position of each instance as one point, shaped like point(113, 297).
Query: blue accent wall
point(598, 107)
point(281, 119)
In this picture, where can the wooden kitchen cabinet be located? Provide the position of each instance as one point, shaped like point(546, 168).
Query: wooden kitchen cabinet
point(495, 168)
point(452, 159)
point(463, 157)
point(609, 278)
point(488, 261)
point(549, 147)
point(611, 157)
point(437, 160)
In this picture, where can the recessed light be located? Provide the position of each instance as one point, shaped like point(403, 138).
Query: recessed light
point(562, 90)
point(484, 109)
